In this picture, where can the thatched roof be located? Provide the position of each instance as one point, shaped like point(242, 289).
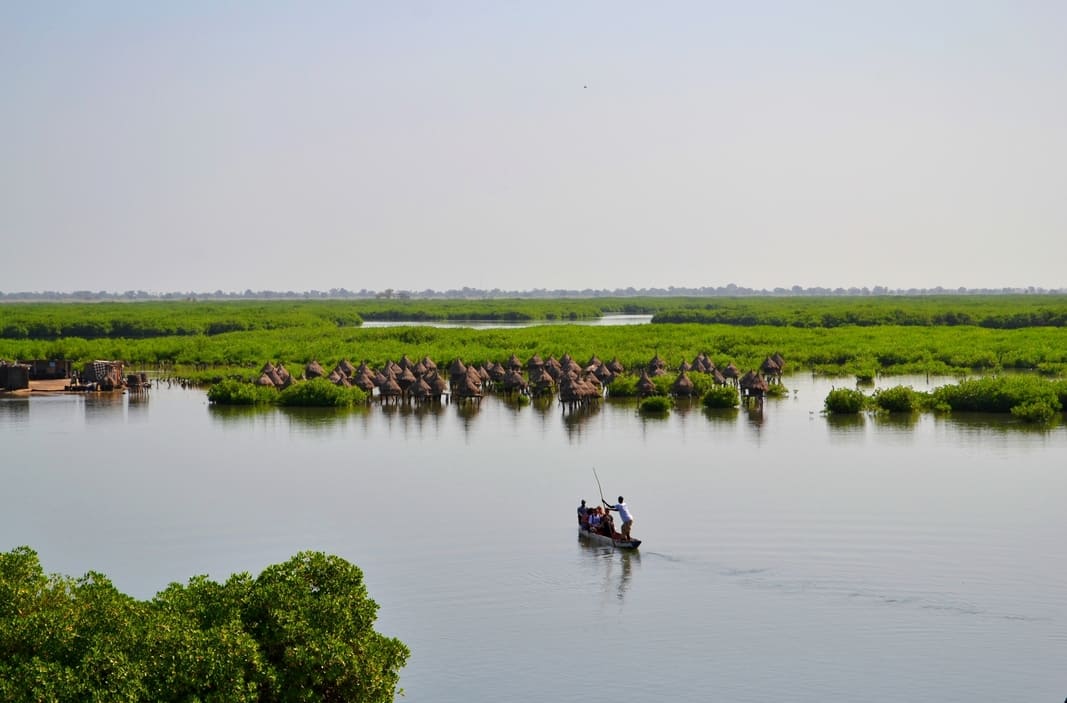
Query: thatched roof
point(645, 386)
point(497, 372)
point(428, 363)
point(717, 375)
point(752, 381)
point(265, 380)
point(616, 366)
point(314, 370)
point(778, 359)
point(390, 388)
point(534, 362)
point(513, 380)
point(420, 389)
point(405, 362)
point(593, 361)
point(683, 385)
point(364, 381)
point(335, 376)
point(514, 362)
point(605, 374)
point(267, 368)
point(437, 384)
point(730, 371)
point(346, 367)
point(457, 368)
point(770, 367)
point(685, 366)
point(406, 378)
point(343, 382)
point(363, 368)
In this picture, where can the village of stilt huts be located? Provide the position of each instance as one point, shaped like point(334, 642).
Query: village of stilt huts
point(576, 385)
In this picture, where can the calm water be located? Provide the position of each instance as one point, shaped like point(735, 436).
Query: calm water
point(605, 321)
point(787, 557)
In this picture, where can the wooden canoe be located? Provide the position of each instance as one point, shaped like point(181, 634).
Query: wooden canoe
point(598, 538)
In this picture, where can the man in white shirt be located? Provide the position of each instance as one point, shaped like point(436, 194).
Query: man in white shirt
point(624, 514)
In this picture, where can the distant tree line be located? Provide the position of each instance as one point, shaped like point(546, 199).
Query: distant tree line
point(466, 293)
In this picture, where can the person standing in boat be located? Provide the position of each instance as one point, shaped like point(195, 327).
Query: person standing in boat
point(624, 514)
point(583, 514)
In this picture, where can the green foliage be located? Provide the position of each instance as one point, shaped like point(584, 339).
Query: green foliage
point(990, 311)
point(844, 401)
point(301, 631)
point(319, 392)
point(1000, 394)
point(656, 405)
point(1035, 411)
point(175, 334)
point(623, 387)
point(721, 397)
point(230, 392)
point(898, 399)
point(777, 390)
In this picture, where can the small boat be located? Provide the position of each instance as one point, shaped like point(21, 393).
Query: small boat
point(598, 538)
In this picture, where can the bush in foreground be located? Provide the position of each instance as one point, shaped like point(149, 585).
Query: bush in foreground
point(898, 399)
point(656, 405)
point(319, 392)
point(230, 392)
point(844, 401)
point(721, 397)
point(301, 631)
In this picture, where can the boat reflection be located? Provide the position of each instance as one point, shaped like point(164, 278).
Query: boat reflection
point(616, 566)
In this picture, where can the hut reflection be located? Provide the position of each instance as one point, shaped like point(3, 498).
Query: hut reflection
point(104, 407)
point(574, 420)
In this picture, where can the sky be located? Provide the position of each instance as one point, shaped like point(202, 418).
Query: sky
point(201, 146)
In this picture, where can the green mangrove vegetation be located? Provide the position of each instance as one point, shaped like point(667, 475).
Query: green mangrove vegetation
point(211, 341)
point(1027, 397)
point(300, 631)
point(992, 311)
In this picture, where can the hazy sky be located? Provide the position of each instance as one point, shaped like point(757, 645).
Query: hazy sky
point(194, 146)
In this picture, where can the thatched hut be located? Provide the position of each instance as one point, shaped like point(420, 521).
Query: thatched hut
point(390, 390)
point(514, 363)
point(731, 373)
point(685, 366)
point(265, 380)
point(514, 382)
point(645, 386)
point(534, 364)
point(683, 386)
point(752, 385)
point(314, 370)
point(420, 391)
point(364, 381)
point(428, 363)
point(604, 374)
point(656, 366)
point(616, 366)
point(346, 367)
point(542, 383)
point(771, 370)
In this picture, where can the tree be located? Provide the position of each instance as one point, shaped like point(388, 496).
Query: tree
point(301, 631)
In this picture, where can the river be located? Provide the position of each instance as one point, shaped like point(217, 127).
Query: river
point(786, 556)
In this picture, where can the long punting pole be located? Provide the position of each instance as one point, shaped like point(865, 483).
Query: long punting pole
point(598, 485)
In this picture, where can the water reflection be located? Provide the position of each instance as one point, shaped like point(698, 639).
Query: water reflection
point(318, 420)
point(15, 410)
point(104, 408)
point(896, 421)
point(617, 566)
point(847, 425)
point(573, 420)
point(237, 415)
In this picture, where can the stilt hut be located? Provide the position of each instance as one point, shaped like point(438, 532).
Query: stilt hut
point(645, 386)
point(683, 386)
